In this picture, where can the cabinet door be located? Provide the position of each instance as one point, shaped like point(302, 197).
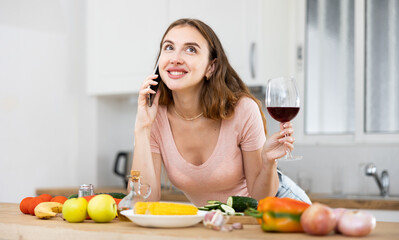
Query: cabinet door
point(237, 24)
point(123, 41)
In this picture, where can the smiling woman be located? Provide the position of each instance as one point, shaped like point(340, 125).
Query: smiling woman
point(204, 125)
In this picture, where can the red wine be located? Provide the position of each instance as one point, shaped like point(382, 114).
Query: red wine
point(283, 114)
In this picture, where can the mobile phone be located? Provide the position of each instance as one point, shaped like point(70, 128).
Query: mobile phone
point(150, 97)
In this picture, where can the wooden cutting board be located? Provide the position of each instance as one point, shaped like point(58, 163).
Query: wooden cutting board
point(248, 220)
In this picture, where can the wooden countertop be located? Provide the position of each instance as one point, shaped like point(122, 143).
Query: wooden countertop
point(15, 225)
point(167, 195)
point(356, 203)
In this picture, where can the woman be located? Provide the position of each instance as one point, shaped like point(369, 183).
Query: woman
point(204, 124)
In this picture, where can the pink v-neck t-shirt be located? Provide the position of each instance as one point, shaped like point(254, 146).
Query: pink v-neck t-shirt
point(222, 175)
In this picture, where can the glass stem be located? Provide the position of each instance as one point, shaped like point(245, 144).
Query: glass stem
point(287, 151)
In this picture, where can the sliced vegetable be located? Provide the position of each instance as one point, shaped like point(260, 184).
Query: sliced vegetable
point(227, 209)
point(212, 206)
point(203, 209)
point(214, 202)
point(241, 203)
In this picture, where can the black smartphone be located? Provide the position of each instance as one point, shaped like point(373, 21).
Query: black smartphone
point(150, 97)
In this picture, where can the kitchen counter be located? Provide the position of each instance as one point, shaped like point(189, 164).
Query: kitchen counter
point(356, 202)
point(334, 202)
point(15, 225)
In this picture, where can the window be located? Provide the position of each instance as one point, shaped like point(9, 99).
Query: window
point(351, 77)
point(330, 67)
point(382, 66)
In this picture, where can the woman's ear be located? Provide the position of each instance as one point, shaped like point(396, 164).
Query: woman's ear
point(211, 69)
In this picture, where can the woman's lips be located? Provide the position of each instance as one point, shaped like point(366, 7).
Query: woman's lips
point(175, 73)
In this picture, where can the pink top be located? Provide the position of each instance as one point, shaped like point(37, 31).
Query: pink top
point(222, 175)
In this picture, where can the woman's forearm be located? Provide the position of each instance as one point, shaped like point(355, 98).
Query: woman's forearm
point(267, 182)
point(143, 162)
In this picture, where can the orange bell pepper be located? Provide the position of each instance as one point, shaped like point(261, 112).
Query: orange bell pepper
point(279, 214)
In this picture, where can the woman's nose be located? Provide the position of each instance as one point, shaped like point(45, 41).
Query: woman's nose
point(176, 59)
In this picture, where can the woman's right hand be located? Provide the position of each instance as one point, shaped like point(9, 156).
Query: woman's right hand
point(145, 114)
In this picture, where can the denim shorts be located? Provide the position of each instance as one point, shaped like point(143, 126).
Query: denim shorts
point(288, 188)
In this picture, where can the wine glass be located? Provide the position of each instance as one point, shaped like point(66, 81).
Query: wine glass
point(282, 102)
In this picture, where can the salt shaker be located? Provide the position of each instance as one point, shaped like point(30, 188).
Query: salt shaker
point(86, 190)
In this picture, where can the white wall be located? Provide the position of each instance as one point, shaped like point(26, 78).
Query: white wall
point(47, 121)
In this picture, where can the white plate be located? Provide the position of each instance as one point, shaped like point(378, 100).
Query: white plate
point(164, 221)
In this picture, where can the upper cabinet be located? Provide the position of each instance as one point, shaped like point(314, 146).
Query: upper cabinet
point(122, 41)
point(123, 38)
point(238, 25)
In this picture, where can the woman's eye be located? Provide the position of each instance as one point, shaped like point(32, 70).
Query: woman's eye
point(168, 47)
point(191, 50)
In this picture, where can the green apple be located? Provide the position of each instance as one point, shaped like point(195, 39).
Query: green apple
point(102, 208)
point(74, 210)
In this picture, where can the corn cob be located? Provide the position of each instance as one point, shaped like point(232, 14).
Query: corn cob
point(141, 207)
point(162, 208)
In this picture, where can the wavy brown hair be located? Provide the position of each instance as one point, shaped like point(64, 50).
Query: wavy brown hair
point(221, 92)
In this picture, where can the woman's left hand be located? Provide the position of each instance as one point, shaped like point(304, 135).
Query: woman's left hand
point(277, 144)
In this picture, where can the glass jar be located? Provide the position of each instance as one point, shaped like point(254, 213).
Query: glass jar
point(138, 193)
point(86, 190)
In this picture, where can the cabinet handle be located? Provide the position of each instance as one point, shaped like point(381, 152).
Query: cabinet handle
point(252, 52)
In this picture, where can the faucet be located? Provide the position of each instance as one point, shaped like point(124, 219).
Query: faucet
point(382, 182)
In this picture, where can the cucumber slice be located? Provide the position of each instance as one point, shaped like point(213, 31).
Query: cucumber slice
point(227, 209)
point(239, 214)
point(203, 208)
point(212, 206)
point(214, 202)
point(240, 203)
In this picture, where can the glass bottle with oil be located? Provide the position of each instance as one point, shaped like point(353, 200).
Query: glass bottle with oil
point(139, 192)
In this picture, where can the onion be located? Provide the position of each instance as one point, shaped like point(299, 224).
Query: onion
point(318, 219)
point(356, 223)
point(338, 214)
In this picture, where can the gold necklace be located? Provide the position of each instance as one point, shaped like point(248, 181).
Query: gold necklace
point(188, 119)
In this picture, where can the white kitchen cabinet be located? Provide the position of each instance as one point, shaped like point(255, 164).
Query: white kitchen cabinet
point(238, 25)
point(122, 40)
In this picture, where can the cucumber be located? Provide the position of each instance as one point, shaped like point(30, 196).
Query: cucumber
point(227, 209)
point(73, 196)
point(240, 203)
point(214, 202)
point(113, 194)
point(239, 214)
point(212, 206)
point(203, 208)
